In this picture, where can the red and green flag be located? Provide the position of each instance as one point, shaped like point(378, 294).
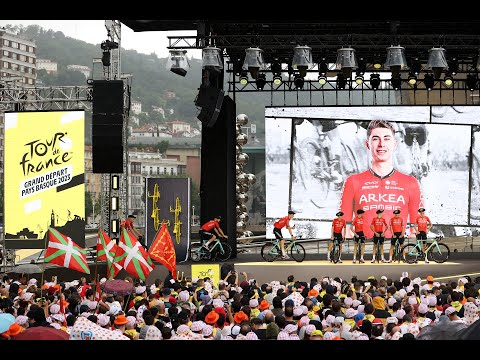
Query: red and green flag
point(107, 250)
point(132, 256)
point(63, 251)
point(163, 251)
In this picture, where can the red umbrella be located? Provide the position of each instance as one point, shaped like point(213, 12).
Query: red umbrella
point(42, 333)
point(117, 287)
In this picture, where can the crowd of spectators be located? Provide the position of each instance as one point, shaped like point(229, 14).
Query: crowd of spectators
point(238, 308)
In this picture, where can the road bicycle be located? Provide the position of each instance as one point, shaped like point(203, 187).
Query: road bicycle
point(218, 250)
point(397, 252)
point(271, 251)
point(361, 242)
point(335, 252)
point(378, 255)
point(436, 251)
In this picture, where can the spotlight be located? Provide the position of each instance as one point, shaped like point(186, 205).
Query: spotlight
point(106, 58)
point(359, 79)
point(448, 80)
point(416, 66)
point(115, 182)
point(453, 66)
point(298, 81)
point(277, 72)
point(114, 203)
point(471, 82)
point(375, 81)
point(212, 59)
point(253, 61)
point(396, 60)
point(261, 81)
point(396, 83)
point(341, 81)
point(377, 62)
point(412, 79)
point(437, 61)
point(323, 67)
point(346, 61)
point(302, 59)
point(178, 62)
point(322, 80)
point(243, 77)
point(277, 79)
point(429, 81)
point(115, 226)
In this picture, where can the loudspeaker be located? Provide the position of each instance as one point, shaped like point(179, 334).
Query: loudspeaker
point(210, 99)
point(107, 97)
point(107, 119)
point(107, 149)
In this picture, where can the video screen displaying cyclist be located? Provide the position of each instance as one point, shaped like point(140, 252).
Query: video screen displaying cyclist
point(381, 187)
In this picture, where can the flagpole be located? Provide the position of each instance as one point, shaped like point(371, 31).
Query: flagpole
point(43, 267)
point(96, 263)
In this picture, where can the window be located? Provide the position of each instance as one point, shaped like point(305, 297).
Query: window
point(158, 170)
point(5, 53)
point(14, 44)
point(171, 171)
point(164, 170)
point(30, 81)
point(151, 170)
point(30, 60)
point(23, 47)
point(31, 49)
point(14, 66)
point(22, 57)
point(5, 65)
point(6, 42)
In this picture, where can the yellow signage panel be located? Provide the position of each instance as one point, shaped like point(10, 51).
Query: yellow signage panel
point(201, 271)
point(44, 174)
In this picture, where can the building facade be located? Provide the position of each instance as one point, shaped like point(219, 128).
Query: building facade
point(48, 65)
point(85, 70)
point(17, 59)
point(136, 107)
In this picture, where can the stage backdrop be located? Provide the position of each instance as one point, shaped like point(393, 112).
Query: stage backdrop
point(168, 199)
point(44, 177)
point(312, 152)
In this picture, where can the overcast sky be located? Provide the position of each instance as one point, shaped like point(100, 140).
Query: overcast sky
point(94, 32)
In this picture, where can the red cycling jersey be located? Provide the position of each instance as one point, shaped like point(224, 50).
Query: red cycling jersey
point(282, 222)
point(358, 224)
point(379, 224)
point(338, 225)
point(370, 192)
point(422, 223)
point(396, 224)
point(210, 225)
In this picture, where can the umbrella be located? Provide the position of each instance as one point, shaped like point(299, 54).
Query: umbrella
point(470, 333)
point(117, 287)
point(31, 268)
point(84, 329)
point(443, 330)
point(5, 321)
point(42, 333)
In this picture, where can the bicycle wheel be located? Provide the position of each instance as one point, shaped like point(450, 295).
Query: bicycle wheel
point(195, 252)
point(270, 252)
point(335, 253)
point(225, 254)
point(439, 253)
point(298, 252)
point(411, 253)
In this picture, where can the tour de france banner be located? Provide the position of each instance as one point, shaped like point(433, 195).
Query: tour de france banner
point(44, 176)
point(168, 199)
point(201, 271)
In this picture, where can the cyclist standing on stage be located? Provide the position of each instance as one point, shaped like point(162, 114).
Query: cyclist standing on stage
point(277, 231)
point(422, 227)
point(338, 232)
point(397, 229)
point(359, 237)
point(378, 226)
point(206, 232)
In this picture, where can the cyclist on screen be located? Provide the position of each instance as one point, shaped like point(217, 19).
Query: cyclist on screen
point(379, 227)
point(358, 235)
point(206, 232)
point(397, 229)
point(422, 227)
point(338, 232)
point(277, 230)
point(381, 186)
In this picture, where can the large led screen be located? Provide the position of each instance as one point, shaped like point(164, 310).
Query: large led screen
point(44, 176)
point(322, 160)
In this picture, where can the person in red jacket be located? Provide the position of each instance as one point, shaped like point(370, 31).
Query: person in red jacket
point(357, 229)
point(338, 232)
point(277, 230)
point(397, 229)
point(422, 227)
point(379, 227)
point(210, 230)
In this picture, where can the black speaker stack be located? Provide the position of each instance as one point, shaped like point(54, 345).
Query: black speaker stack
point(107, 126)
point(210, 99)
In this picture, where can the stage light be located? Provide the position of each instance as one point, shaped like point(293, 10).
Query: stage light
point(416, 66)
point(114, 203)
point(448, 80)
point(302, 59)
point(115, 182)
point(429, 81)
point(106, 58)
point(396, 60)
point(377, 62)
point(243, 77)
point(212, 59)
point(178, 62)
point(412, 79)
point(115, 226)
point(396, 83)
point(299, 81)
point(346, 61)
point(261, 81)
point(471, 82)
point(253, 61)
point(277, 72)
point(359, 79)
point(341, 81)
point(322, 80)
point(437, 61)
point(453, 66)
point(375, 81)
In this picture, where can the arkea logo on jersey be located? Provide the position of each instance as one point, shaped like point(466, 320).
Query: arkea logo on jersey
point(386, 198)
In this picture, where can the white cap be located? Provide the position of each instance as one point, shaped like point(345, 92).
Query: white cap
point(384, 278)
point(450, 310)
point(431, 300)
point(400, 313)
point(422, 309)
point(392, 320)
point(391, 301)
point(235, 330)
point(348, 301)
point(253, 303)
point(103, 280)
point(140, 290)
point(356, 303)
point(339, 320)
point(417, 280)
point(361, 308)
point(412, 300)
